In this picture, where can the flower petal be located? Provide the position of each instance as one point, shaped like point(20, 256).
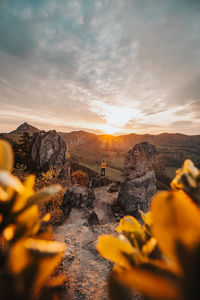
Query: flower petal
point(176, 218)
point(114, 249)
point(6, 156)
point(155, 286)
point(129, 224)
point(9, 180)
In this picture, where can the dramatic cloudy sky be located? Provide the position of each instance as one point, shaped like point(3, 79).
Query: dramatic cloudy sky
point(100, 65)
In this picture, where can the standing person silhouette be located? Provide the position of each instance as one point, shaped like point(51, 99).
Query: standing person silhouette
point(103, 168)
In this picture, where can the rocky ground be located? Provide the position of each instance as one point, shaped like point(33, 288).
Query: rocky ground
point(89, 213)
point(86, 271)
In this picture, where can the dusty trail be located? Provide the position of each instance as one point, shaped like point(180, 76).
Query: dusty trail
point(86, 270)
point(102, 204)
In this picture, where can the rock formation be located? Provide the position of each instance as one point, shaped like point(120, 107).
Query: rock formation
point(114, 187)
point(25, 127)
point(78, 202)
point(140, 183)
point(100, 181)
point(49, 150)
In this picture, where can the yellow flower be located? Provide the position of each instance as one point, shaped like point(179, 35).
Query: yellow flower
point(6, 156)
point(188, 179)
point(174, 223)
point(30, 258)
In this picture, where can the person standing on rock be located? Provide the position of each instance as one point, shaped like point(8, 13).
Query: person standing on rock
point(103, 168)
point(68, 167)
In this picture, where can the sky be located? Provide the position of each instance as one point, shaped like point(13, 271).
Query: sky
point(104, 66)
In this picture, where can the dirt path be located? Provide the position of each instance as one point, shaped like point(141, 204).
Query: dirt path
point(86, 270)
point(102, 204)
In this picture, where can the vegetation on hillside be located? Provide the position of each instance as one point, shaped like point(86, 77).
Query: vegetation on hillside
point(80, 177)
point(27, 253)
point(22, 150)
point(161, 259)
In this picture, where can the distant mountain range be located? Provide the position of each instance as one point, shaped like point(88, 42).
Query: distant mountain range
point(89, 149)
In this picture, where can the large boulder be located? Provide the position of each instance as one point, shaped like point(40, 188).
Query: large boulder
point(78, 203)
point(140, 183)
point(78, 196)
point(49, 150)
point(135, 194)
point(139, 160)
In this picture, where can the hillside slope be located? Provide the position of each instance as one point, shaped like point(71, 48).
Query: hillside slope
point(173, 149)
point(90, 149)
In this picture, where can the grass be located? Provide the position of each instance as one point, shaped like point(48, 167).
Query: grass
point(110, 172)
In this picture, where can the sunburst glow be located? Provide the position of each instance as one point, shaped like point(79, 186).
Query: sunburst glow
point(119, 116)
point(108, 129)
point(116, 117)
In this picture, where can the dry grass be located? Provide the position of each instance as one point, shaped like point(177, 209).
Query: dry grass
point(80, 177)
point(52, 205)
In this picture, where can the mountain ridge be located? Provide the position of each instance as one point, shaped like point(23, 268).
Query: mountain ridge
point(90, 149)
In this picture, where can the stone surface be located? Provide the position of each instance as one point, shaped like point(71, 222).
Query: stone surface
point(78, 196)
point(140, 183)
point(103, 205)
point(49, 150)
point(78, 203)
point(139, 160)
point(136, 194)
point(100, 181)
point(114, 187)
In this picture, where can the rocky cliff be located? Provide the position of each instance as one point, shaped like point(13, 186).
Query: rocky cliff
point(140, 181)
point(49, 150)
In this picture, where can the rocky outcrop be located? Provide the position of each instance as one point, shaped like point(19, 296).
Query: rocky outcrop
point(78, 203)
point(100, 181)
point(140, 183)
point(139, 160)
point(78, 196)
point(49, 150)
point(114, 187)
point(25, 127)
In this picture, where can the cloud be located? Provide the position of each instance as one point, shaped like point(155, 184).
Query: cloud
point(80, 61)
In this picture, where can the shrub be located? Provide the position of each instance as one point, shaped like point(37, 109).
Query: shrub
point(80, 177)
point(20, 171)
point(49, 177)
point(28, 256)
point(161, 258)
point(22, 150)
point(52, 205)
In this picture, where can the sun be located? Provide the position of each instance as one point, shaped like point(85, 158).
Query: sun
point(108, 129)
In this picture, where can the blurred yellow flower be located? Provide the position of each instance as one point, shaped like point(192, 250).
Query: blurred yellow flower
point(164, 263)
point(29, 258)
